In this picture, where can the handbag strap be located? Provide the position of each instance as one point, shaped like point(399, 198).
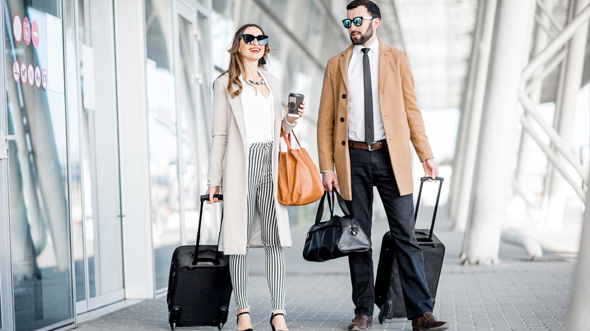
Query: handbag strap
point(320, 213)
point(341, 202)
point(288, 141)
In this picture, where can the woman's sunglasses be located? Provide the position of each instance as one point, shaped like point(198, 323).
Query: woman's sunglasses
point(358, 21)
point(249, 39)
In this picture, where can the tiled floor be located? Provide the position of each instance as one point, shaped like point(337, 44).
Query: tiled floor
point(515, 295)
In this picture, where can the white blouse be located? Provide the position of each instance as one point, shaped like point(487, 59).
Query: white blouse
point(258, 113)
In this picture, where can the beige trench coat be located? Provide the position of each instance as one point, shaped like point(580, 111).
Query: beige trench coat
point(228, 167)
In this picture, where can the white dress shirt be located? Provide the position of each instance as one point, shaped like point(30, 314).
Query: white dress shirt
point(258, 113)
point(356, 94)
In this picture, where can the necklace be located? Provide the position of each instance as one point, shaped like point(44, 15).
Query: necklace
point(257, 83)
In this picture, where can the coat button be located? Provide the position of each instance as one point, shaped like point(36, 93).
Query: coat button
point(343, 143)
point(341, 119)
point(344, 96)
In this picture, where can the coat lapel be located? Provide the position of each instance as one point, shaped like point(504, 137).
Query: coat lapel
point(383, 63)
point(236, 107)
point(344, 61)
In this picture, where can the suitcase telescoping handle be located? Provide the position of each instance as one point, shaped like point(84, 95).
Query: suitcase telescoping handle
point(422, 180)
point(204, 198)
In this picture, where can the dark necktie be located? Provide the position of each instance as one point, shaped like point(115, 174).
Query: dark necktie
point(369, 135)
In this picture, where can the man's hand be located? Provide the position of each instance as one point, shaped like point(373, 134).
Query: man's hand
point(430, 168)
point(330, 179)
point(212, 190)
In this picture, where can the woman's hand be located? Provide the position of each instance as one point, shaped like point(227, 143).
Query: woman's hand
point(292, 119)
point(212, 190)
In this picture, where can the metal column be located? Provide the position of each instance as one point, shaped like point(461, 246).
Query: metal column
point(579, 303)
point(557, 186)
point(464, 174)
point(526, 142)
point(493, 171)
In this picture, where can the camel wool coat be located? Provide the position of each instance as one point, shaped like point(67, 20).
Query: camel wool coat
point(402, 119)
point(228, 166)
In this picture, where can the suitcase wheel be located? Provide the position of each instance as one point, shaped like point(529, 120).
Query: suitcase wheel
point(174, 317)
point(220, 326)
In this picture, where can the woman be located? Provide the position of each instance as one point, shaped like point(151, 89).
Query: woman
point(247, 122)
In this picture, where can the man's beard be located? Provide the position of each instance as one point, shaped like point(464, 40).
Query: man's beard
point(364, 37)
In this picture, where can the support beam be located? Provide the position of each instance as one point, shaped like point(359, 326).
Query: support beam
point(493, 174)
point(557, 43)
point(553, 157)
point(549, 15)
point(572, 83)
point(466, 108)
point(534, 90)
point(560, 144)
point(578, 316)
point(462, 197)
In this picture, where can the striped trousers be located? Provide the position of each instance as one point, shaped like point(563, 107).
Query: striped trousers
point(260, 196)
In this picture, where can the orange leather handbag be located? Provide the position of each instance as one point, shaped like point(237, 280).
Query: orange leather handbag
point(299, 179)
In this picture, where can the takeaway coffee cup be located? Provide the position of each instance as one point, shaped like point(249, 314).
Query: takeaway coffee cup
point(295, 100)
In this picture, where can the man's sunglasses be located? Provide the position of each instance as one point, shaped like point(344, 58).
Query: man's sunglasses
point(358, 21)
point(249, 39)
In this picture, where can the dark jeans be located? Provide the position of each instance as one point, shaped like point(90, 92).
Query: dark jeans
point(373, 168)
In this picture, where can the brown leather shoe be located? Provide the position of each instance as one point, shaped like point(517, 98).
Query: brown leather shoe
point(427, 322)
point(361, 322)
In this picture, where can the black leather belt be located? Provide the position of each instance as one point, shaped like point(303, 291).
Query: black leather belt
point(362, 145)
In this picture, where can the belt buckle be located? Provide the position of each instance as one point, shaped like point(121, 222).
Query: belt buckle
point(370, 148)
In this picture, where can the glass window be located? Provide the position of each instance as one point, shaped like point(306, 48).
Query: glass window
point(163, 141)
point(98, 150)
point(37, 163)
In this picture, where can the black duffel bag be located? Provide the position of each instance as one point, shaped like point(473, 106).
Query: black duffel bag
point(336, 237)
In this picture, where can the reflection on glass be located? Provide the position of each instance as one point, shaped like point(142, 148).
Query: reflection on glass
point(185, 85)
point(76, 214)
point(99, 148)
point(38, 168)
point(163, 141)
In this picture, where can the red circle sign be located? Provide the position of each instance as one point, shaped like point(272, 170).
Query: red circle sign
point(23, 73)
point(31, 72)
point(16, 71)
point(44, 79)
point(35, 34)
point(37, 76)
point(17, 28)
point(27, 31)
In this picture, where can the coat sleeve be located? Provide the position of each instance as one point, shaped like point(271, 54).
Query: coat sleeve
point(325, 124)
point(221, 109)
point(287, 127)
point(413, 114)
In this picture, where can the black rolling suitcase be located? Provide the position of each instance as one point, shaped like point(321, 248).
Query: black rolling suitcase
point(199, 286)
point(388, 290)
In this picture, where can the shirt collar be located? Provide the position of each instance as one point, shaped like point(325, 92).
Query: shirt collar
point(374, 47)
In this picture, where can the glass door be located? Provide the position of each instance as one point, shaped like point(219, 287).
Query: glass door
point(34, 112)
point(94, 161)
point(193, 90)
point(6, 298)
point(179, 85)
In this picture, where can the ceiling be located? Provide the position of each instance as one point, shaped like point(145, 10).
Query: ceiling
point(438, 36)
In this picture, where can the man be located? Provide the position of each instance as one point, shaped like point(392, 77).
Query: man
point(368, 115)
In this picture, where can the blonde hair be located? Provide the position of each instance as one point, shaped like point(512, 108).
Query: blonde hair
point(236, 62)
